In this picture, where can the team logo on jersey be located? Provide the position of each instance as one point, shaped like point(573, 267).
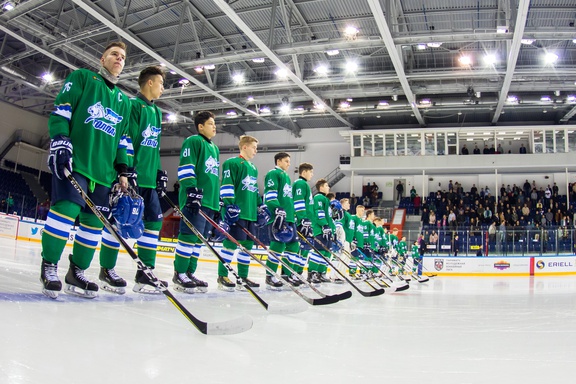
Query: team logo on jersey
point(150, 136)
point(103, 119)
point(270, 183)
point(250, 183)
point(287, 191)
point(67, 87)
point(212, 165)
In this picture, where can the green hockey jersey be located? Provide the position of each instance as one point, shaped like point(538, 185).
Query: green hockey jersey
point(303, 201)
point(145, 131)
point(200, 167)
point(278, 193)
point(240, 186)
point(95, 117)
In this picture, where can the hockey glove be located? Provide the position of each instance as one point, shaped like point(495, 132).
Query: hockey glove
point(263, 216)
point(231, 214)
point(194, 199)
point(279, 218)
point(161, 182)
point(60, 157)
point(305, 228)
point(131, 175)
point(326, 234)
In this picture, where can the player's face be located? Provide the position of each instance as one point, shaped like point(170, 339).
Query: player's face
point(284, 163)
point(325, 188)
point(359, 212)
point(346, 205)
point(113, 60)
point(208, 129)
point(250, 150)
point(308, 174)
point(156, 84)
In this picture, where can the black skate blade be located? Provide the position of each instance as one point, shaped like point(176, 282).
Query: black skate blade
point(287, 309)
point(229, 327)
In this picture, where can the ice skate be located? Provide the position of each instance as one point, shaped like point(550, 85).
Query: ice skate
point(240, 284)
point(323, 279)
point(225, 284)
point(313, 277)
point(273, 283)
point(182, 283)
point(293, 280)
point(201, 286)
point(49, 278)
point(111, 282)
point(77, 284)
point(143, 284)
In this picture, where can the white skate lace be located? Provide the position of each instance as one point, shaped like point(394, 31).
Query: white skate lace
point(51, 272)
point(113, 275)
point(196, 281)
point(184, 278)
point(80, 275)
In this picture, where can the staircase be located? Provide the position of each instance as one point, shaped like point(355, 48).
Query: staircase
point(333, 177)
point(34, 185)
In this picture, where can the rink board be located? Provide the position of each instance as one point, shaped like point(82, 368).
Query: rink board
point(501, 265)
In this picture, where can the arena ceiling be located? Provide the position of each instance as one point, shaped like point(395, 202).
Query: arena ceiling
point(305, 64)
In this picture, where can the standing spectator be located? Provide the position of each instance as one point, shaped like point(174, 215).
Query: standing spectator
point(456, 245)
point(522, 148)
point(412, 194)
point(464, 150)
point(417, 203)
point(399, 190)
point(476, 149)
point(9, 203)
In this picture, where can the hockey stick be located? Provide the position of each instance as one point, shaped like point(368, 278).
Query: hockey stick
point(384, 275)
point(227, 235)
point(229, 327)
point(341, 296)
point(389, 288)
point(226, 264)
point(376, 292)
point(420, 279)
point(320, 301)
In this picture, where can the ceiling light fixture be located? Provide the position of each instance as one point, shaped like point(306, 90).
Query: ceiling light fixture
point(344, 105)
point(322, 70)
point(172, 117)
point(281, 73)
point(48, 77)
point(238, 78)
point(465, 60)
point(550, 58)
point(434, 45)
point(351, 66)
point(546, 98)
point(421, 46)
point(232, 113)
point(209, 66)
point(527, 41)
point(332, 52)
point(490, 59)
point(258, 60)
point(8, 6)
point(199, 69)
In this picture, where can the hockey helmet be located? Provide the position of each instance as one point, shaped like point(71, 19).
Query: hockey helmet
point(285, 234)
point(337, 211)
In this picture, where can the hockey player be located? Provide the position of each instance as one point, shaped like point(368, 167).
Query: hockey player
point(198, 174)
point(146, 175)
point(402, 249)
point(278, 198)
point(358, 238)
point(324, 229)
point(239, 193)
point(303, 207)
point(90, 117)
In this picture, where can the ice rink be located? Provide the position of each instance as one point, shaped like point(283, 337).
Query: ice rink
point(448, 330)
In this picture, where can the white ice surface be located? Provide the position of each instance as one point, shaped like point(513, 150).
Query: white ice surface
point(449, 330)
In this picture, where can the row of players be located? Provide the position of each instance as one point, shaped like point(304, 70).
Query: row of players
point(102, 137)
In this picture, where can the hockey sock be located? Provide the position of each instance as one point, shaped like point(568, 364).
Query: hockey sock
point(57, 229)
point(314, 262)
point(86, 239)
point(276, 249)
point(227, 255)
point(108, 250)
point(194, 258)
point(244, 258)
point(184, 249)
point(148, 243)
point(292, 257)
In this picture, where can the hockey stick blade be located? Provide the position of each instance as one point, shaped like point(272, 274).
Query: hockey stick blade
point(214, 328)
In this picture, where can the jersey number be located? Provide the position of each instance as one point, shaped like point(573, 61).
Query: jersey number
point(186, 152)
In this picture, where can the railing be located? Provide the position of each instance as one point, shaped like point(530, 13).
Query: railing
point(22, 205)
point(512, 242)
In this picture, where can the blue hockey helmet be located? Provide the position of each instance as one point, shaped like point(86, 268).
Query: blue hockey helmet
point(127, 210)
point(285, 234)
point(337, 211)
